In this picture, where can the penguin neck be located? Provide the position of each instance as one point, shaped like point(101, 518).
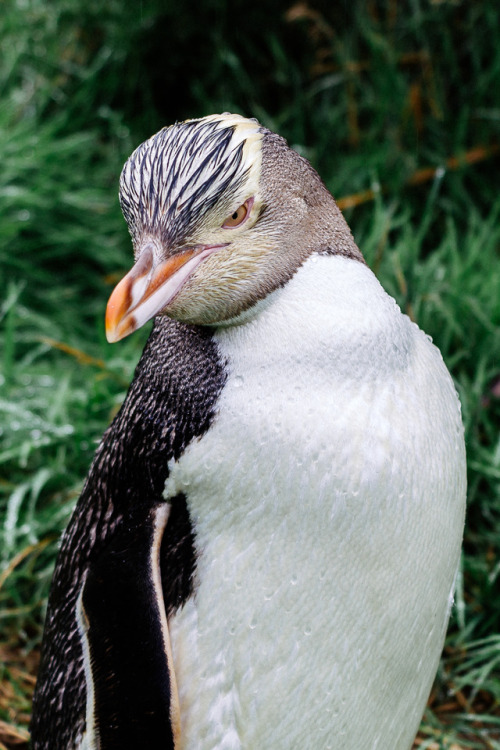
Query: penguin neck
point(299, 204)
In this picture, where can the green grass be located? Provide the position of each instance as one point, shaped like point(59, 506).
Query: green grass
point(371, 93)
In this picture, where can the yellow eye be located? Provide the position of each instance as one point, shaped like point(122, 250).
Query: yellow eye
point(239, 216)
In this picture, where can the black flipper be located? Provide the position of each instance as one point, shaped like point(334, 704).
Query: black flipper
point(132, 696)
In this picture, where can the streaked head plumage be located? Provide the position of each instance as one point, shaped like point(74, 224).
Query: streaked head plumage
point(175, 178)
point(221, 212)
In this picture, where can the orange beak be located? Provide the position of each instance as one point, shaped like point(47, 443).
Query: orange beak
point(147, 289)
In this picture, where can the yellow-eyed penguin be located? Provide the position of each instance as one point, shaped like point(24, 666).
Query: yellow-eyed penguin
point(265, 549)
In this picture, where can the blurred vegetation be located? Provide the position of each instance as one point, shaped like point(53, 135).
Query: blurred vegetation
point(396, 103)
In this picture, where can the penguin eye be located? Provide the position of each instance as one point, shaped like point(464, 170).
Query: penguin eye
point(238, 217)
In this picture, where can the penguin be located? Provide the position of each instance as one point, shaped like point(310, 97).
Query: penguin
point(265, 548)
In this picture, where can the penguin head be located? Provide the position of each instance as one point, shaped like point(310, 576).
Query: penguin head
point(221, 213)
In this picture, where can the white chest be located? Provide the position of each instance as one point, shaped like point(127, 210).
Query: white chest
point(327, 500)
